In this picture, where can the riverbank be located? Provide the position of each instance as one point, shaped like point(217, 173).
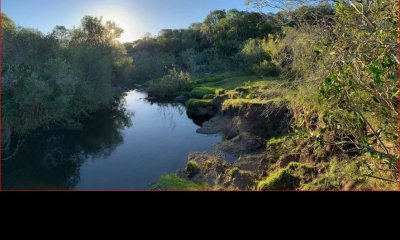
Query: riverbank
point(256, 115)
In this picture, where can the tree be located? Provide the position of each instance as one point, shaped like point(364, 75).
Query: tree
point(51, 80)
point(352, 61)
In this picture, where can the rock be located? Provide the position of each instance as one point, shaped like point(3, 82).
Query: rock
point(180, 98)
point(203, 168)
point(242, 144)
point(217, 125)
point(235, 178)
point(214, 170)
point(200, 109)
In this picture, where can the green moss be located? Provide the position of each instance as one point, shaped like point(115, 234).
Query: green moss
point(277, 141)
point(288, 178)
point(240, 103)
point(280, 180)
point(192, 168)
point(200, 92)
point(173, 182)
point(337, 173)
point(219, 91)
point(193, 101)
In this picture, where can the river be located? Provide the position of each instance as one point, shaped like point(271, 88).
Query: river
point(125, 148)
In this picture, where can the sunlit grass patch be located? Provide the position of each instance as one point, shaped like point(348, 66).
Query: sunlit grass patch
point(172, 182)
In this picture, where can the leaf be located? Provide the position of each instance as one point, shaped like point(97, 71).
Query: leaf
point(388, 63)
point(379, 132)
point(375, 99)
point(396, 94)
point(328, 81)
point(377, 79)
point(387, 161)
point(375, 70)
point(318, 50)
point(371, 135)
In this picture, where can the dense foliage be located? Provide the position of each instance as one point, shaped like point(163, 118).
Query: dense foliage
point(218, 43)
point(338, 58)
point(55, 78)
point(345, 69)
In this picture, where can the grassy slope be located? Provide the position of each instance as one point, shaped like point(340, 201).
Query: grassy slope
point(228, 81)
point(253, 89)
point(242, 88)
point(173, 182)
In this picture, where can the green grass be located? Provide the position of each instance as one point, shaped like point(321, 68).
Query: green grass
point(172, 182)
point(235, 84)
point(193, 101)
point(200, 92)
point(226, 80)
point(275, 181)
point(288, 178)
point(240, 103)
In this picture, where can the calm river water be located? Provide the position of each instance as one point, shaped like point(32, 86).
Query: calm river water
point(125, 148)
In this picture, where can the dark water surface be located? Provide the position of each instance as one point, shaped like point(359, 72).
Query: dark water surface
point(125, 148)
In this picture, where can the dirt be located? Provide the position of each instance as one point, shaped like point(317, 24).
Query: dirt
point(245, 130)
point(214, 170)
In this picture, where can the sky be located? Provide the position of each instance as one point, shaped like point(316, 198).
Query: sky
point(136, 17)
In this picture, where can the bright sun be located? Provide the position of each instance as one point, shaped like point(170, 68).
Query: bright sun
point(122, 18)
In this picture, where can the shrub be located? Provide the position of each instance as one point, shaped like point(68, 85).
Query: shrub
point(267, 68)
point(171, 84)
point(252, 52)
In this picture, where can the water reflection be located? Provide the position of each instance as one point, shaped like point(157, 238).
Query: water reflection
point(52, 160)
point(115, 150)
point(167, 114)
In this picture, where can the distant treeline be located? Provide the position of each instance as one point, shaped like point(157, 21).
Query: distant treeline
point(225, 40)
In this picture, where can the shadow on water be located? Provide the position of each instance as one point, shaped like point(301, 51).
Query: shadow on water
point(52, 159)
point(114, 150)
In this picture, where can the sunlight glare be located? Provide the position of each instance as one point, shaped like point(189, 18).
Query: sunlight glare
point(123, 18)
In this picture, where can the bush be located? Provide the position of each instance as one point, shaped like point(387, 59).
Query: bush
point(267, 68)
point(252, 52)
point(52, 79)
point(171, 84)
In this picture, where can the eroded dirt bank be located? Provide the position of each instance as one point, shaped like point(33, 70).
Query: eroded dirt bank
point(246, 129)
